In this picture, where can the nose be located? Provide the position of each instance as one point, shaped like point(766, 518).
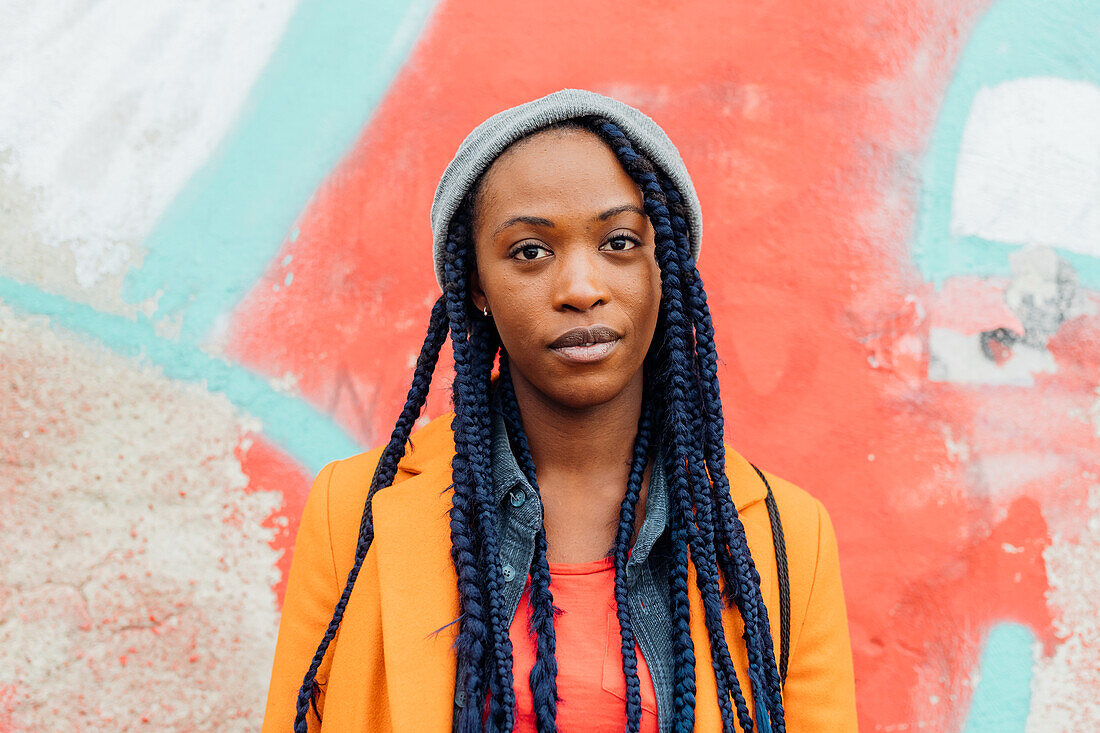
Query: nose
point(580, 284)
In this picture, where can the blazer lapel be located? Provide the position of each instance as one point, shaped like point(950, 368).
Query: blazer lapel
point(419, 601)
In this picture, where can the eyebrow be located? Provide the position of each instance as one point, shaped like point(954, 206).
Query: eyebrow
point(619, 210)
point(534, 220)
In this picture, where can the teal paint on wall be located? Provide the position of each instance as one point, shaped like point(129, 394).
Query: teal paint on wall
point(1003, 696)
point(1015, 39)
point(330, 70)
point(300, 430)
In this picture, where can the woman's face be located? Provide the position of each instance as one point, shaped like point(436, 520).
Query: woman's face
point(566, 267)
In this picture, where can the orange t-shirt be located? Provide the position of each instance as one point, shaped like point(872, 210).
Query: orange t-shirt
point(591, 684)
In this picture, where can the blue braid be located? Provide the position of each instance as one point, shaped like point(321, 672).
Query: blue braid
point(702, 531)
point(383, 476)
point(543, 678)
point(734, 539)
point(544, 673)
point(623, 534)
point(475, 343)
point(484, 345)
point(709, 586)
point(739, 589)
point(683, 706)
point(473, 635)
point(686, 471)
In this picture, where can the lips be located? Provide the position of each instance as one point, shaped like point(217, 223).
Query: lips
point(585, 337)
point(586, 345)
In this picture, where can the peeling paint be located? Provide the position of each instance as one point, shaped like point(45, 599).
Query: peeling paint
point(961, 358)
point(138, 576)
point(1064, 690)
point(1042, 295)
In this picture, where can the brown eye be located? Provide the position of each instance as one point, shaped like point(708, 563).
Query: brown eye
point(619, 243)
point(530, 251)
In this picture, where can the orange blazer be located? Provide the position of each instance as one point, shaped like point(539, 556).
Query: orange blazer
point(391, 666)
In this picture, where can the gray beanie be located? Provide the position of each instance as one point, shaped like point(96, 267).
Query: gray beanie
point(489, 139)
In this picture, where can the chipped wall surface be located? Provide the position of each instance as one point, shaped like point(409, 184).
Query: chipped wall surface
point(136, 558)
point(215, 277)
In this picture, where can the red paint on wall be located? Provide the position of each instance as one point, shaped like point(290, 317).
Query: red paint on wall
point(8, 696)
point(995, 574)
point(800, 124)
point(268, 469)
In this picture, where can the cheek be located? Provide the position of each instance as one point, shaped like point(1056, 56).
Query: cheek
point(646, 297)
point(521, 319)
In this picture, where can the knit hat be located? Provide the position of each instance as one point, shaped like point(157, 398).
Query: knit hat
point(489, 139)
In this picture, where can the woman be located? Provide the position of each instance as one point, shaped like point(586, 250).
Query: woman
point(573, 547)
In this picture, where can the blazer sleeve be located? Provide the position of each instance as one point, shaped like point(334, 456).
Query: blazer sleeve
point(313, 588)
point(820, 690)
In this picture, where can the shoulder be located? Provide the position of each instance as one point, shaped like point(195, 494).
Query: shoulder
point(799, 511)
point(807, 535)
point(350, 478)
point(810, 551)
point(423, 474)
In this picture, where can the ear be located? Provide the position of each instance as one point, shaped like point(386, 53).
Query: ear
point(477, 295)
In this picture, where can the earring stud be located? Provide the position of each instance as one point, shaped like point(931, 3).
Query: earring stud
point(485, 312)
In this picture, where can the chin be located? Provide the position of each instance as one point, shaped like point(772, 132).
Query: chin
point(582, 391)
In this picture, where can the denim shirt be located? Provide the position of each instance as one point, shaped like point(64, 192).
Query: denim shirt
point(519, 517)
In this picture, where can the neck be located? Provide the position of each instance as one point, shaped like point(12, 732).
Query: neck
point(595, 439)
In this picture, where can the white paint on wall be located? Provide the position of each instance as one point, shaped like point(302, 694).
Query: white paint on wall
point(1042, 295)
point(1064, 685)
point(109, 107)
point(1008, 474)
point(137, 575)
point(958, 357)
point(1028, 170)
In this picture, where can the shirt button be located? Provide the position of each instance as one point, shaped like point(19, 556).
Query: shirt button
point(508, 572)
point(517, 497)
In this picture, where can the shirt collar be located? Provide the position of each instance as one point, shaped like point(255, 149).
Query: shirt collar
point(656, 517)
point(506, 471)
point(507, 474)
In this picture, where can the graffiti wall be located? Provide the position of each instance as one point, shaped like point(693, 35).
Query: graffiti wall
point(215, 275)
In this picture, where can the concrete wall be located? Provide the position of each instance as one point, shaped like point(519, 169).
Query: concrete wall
point(214, 275)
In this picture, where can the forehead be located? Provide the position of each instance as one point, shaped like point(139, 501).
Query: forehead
point(561, 167)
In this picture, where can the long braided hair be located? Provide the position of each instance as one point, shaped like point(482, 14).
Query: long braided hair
point(681, 401)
